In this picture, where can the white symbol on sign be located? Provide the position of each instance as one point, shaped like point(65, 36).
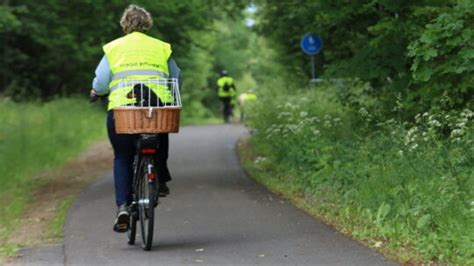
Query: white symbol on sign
point(311, 40)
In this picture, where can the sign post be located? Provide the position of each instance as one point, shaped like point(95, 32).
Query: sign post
point(311, 45)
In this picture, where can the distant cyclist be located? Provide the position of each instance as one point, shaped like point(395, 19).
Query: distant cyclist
point(133, 56)
point(244, 100)
point(226, 93)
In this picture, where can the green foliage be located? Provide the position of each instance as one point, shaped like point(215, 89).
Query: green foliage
point(424, 46)
point(52, 47)
point(443, 55)
point(405, 184)
point(231, 50)
point(8, 20)
point(401, 181)
point(48, 55)
point(35, 138)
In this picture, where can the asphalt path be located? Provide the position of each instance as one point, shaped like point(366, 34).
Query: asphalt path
point(215, 215)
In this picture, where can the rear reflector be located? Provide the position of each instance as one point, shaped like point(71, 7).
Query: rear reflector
point(148, 151)
point(151, 176)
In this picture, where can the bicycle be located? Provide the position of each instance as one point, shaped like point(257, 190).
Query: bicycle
point(130, 120)
point(145, 190)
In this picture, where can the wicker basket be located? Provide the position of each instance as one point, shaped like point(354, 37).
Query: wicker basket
point(146, 120)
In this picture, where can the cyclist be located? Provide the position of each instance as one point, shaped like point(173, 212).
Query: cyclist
point(226, 93)
point(244, 99)
point(133, 56)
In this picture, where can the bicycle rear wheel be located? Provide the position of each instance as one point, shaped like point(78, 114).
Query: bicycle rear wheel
point(146, 201)
point(132, 226)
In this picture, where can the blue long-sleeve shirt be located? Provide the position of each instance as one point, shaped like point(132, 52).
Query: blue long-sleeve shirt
point(103, 75)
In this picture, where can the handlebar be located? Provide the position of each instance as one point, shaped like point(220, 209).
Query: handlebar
point(94, 98)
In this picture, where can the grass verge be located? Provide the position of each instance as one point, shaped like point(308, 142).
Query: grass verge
point(55, 230)
point(403, 188)
point(278, 181)
point(43, 219)
point(36, 138)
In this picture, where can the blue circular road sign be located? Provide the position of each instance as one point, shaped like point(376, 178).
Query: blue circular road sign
point(311, 44)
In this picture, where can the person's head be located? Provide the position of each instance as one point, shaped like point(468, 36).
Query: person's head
point(224, 73)
point(135, 18)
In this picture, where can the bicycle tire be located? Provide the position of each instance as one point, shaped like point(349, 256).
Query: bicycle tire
point(132, 228)
point(146, 203)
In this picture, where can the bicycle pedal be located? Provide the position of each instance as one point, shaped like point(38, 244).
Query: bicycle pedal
point(121, 228)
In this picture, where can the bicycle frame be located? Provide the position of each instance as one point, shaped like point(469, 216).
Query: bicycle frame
point(146, 146)
point(142, 207)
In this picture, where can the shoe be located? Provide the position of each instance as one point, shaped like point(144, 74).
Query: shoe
point(122, 220)
point(164, 189)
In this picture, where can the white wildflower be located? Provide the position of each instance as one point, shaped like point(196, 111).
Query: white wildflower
point(467, 113)
point(417, 117)
point(283, 114)
point(414, 146)
point(434, 123)
point(293, 128)
point(260, 159)
point(363, 111)
point(457, 133)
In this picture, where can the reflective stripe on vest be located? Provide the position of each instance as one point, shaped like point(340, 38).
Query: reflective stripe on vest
point(140, 72)
point(136, 56)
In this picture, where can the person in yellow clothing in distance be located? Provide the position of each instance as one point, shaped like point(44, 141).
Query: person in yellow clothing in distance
point(244, 100)
point(226, 92)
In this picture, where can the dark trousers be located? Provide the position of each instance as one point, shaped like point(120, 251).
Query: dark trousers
point(226, 107)
point(124, 152)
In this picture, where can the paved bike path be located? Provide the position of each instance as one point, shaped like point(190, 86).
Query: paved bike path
point(214, 215)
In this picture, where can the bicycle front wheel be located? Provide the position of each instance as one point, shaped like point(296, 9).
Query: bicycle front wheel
point(146, 201)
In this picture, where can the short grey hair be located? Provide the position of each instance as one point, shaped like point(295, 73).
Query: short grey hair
point(136, 18)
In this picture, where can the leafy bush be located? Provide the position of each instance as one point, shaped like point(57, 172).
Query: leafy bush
point(405, 184)
point(443, 55)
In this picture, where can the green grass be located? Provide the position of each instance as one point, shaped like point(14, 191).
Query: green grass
point(200, 121)
point(9, 250)
point(35, 138)
point(407, 193)
point(55, 230)
point(194, 113)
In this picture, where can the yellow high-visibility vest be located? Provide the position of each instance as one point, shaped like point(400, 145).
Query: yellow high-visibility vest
point(221, 82)
point(136, 56)
point(250, 97)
